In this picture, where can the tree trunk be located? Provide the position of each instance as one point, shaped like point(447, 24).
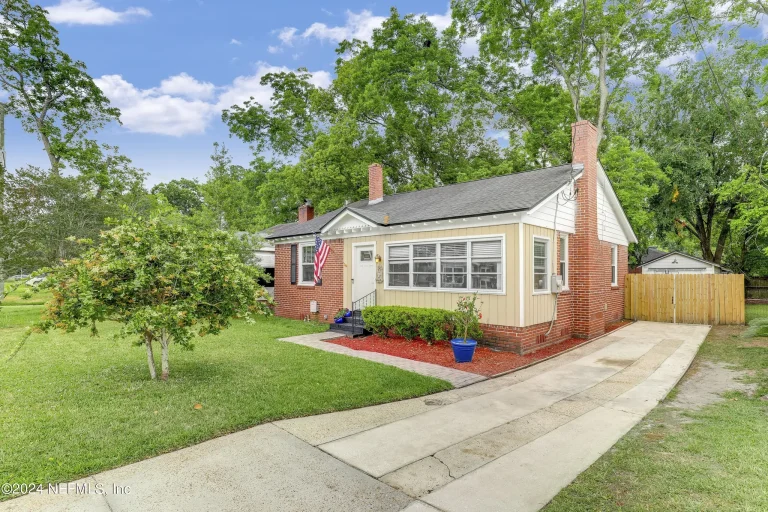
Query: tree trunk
point(150, 357)
point(603, 87)
point(2, 279)
point(164, 344)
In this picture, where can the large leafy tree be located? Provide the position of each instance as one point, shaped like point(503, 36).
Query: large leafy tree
point(51, 93)
point(637, 179)
point(406, 99)
point(705, 127)
point(593, 47)
point(183, 194)
point(161, 280)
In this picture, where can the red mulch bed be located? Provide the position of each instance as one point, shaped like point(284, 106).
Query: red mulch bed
point(486, 361)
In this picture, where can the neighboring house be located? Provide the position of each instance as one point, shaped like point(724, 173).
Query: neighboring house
point(675, 262)
point(504, 237)
point(264, 256)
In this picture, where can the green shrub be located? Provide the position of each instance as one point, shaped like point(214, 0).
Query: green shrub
point(427, 323)
point(26, 295)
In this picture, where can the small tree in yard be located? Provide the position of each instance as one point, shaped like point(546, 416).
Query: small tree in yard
point(163, 281)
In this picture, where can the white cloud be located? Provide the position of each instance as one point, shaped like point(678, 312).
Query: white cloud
point(360, 26)
point(274, 49)
point(287, 35)
point(235, 42)
point(186, 86)
point(182, 105)
point(326, 11)
point(151, 111)
point(89, 12)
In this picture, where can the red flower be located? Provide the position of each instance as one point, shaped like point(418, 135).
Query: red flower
point(480, 316)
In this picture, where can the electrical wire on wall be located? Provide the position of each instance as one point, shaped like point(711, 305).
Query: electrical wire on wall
point(571, 194)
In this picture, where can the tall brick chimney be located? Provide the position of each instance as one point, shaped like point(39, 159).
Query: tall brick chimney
point(375, 184)
point(587, 270)
point(306, 212)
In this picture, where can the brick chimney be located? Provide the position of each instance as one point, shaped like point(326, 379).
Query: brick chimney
point(306, 212)
point(587, 268)
point(375, 184)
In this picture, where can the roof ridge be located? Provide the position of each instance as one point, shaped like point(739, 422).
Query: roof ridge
point(474, 181)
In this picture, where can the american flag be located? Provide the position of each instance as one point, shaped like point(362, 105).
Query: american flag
point(321, 253)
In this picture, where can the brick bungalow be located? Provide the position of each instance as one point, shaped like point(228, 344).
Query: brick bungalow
point(507, 238)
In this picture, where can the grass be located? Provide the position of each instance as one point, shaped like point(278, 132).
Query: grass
point(15, 295)
point(756, 311)
point(713, 459)
point(72, 405)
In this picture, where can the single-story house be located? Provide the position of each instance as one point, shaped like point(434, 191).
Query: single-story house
point(676, 262)
point(536, 246)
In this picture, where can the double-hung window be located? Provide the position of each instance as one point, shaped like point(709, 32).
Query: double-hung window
point(564, 260)
point(399, 265)
point(540, 265)
point(446, 265)
point(614, 266)
point(308, 264)
point(453, 265)
point(425, 266)
point(486, 265)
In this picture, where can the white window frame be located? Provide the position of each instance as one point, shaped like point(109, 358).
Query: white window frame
point(468, 289)
point(548, 264)
point(564, 263)
point(311, 282)
point(614, 265)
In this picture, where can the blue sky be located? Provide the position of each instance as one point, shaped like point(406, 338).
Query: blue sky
point(172, 65)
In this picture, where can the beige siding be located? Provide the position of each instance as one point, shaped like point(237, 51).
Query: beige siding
point(496, 309)
point(537, 308)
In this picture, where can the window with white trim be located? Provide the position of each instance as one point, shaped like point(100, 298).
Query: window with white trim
point(399, 265)
point(564, 259)
point(307, 264)
point(540, 265)
point(449, 265)
point(614, 266)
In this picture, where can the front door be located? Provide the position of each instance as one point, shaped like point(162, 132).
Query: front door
point(363, 271)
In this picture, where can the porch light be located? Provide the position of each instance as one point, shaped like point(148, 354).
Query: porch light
point(378, 258)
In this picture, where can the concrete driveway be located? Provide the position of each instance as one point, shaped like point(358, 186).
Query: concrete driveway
point(509, 443)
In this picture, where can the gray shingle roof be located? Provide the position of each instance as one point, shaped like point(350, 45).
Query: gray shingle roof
point(509, 193)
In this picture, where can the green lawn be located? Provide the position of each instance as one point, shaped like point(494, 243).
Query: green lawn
point(71, 405)
point(713, 459)
point(16, 295)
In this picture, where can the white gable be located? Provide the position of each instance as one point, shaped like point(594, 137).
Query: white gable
point(608, 227)
point(347, 221)
point(561, 207)
point(678, 264)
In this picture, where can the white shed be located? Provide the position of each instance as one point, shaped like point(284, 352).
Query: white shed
point(679, 263)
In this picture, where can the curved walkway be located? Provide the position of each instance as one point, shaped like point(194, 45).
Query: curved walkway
point(509, 443)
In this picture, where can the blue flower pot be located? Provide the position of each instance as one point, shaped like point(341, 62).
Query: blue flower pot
point(348, 314)
point(463, 351)
point(338, 320)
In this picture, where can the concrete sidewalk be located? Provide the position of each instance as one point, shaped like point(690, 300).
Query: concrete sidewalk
point(509, 443)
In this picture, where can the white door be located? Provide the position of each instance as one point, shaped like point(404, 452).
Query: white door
point(363, 271)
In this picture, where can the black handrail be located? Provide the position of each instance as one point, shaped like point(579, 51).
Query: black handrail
point(357, 309)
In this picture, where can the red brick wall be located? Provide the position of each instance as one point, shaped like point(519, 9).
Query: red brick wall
point(587, 263)
point(293, 299)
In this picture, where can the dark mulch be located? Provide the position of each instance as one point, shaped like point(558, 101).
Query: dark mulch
point(486, 361)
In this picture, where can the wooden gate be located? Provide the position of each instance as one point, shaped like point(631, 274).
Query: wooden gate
point(710, 299)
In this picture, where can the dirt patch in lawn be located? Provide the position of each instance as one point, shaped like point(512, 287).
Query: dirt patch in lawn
point(486, 361)
point(707, 382)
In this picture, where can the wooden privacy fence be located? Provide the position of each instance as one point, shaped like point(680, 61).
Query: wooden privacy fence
point(710, 299)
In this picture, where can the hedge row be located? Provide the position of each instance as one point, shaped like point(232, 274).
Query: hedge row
point(429, 324)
